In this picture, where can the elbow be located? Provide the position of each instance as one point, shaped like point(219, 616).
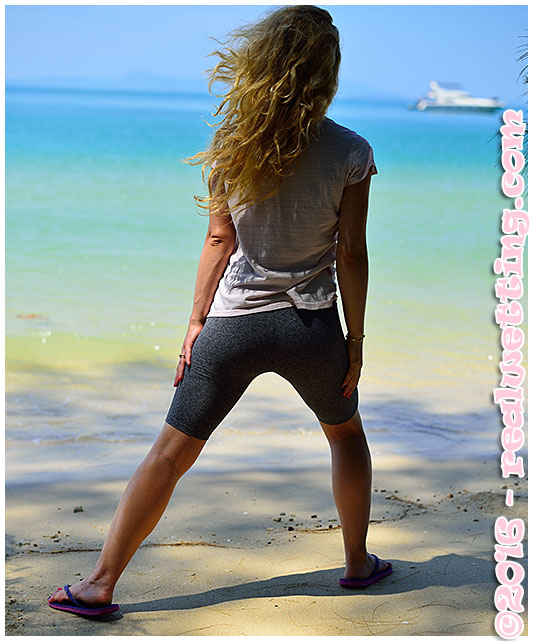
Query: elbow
point(352, 256)
point(226, 242)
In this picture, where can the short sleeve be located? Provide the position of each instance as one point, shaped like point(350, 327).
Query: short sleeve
point(361, 162)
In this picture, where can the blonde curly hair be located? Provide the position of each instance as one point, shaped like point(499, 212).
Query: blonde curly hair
point(282, 73)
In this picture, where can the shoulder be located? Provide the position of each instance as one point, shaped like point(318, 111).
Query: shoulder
point(333, 130)
point(347, 141)
point(357, 153)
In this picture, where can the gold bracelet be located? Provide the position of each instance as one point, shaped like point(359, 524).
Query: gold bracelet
point(357, 340)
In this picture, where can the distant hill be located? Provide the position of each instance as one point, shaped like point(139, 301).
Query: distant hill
point(136, 81)
point(141, 81)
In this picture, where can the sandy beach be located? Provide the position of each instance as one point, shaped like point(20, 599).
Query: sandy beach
point(256, 549)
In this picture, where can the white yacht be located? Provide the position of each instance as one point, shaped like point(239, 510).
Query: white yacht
point(450, 97)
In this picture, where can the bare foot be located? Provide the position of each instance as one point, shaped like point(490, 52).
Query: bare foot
point(88, 592)
point(364, 571)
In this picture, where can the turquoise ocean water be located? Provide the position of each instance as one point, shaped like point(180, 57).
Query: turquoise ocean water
point(103, 239)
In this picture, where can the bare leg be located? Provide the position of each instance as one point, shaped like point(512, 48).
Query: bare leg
point(140, 508)
point(351, 468)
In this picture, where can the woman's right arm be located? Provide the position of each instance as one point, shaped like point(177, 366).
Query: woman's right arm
point(352, 272)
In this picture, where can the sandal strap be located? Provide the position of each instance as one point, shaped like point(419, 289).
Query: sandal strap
point(74, 600)
point(376, 568)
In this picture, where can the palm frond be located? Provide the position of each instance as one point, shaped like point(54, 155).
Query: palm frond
point(523, 50)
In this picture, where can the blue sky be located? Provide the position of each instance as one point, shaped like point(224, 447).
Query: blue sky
point(388, 50)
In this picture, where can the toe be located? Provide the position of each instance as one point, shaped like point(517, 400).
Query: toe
point(382, 566)
point(56, 596)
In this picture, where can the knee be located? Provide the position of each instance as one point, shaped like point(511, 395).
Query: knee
point(350, 428)
point(162, 464)
point(174, 451)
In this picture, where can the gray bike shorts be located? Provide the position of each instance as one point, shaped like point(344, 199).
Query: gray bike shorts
point(306, 347)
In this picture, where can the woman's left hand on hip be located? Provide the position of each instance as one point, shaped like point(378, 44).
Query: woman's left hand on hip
point(195, 327)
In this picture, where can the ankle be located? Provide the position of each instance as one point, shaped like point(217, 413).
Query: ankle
point(102, 579)
point(357, 560)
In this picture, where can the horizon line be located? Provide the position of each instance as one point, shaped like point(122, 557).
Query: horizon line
point(14, 85)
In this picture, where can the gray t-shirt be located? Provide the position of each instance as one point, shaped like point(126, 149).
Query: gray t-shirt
point(285, 246)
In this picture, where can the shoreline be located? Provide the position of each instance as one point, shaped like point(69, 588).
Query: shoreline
point(116, 410)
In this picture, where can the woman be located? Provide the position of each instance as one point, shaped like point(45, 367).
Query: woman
point(288, 195)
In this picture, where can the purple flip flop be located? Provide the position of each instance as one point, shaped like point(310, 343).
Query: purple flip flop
point(78, 608)
point(363, 583)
